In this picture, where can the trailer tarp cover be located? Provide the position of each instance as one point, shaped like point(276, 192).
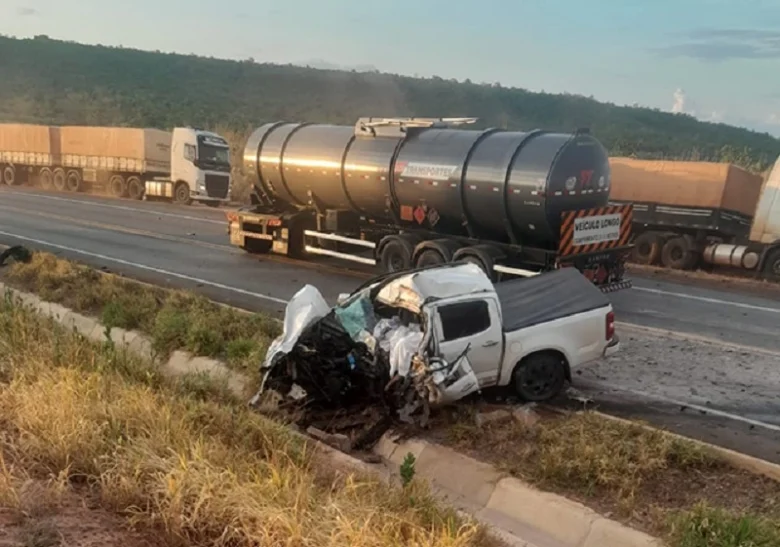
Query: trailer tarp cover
point(685, 184)
point(17, 137)
point(546, 297)
point(151, 145)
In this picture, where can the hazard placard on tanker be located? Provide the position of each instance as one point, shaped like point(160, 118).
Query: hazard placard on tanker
point(597, 229)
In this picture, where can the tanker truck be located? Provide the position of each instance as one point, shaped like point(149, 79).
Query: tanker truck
point(692, 214)
point(403, 193)
point(182, 166)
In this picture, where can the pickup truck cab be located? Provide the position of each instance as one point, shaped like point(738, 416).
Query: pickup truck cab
point(528, 333)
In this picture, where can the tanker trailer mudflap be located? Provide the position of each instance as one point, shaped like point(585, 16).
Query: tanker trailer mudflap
point(596, 242)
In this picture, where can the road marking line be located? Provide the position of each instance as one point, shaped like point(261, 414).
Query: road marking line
point(148, 268)
point(122, 208)
point(703, 409)
point(661, 398)
point(709, 300)
point(125, 230)
point(683, 336)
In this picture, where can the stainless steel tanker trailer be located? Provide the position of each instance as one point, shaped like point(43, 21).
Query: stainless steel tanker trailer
point(414, 192)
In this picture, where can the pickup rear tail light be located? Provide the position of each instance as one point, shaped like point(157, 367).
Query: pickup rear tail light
point(610, 326)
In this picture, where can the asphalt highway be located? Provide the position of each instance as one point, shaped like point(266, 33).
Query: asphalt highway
point(188, 247)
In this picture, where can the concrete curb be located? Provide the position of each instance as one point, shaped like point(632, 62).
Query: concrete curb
point(491, 496)
point(521, 509)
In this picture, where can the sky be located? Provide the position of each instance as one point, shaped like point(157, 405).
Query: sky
point(718, 60)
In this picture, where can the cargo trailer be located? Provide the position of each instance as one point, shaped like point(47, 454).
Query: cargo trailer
point(181, 166)
point(687, 214)
point(413, 192)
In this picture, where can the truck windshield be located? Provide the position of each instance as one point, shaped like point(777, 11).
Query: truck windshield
point(214, 154)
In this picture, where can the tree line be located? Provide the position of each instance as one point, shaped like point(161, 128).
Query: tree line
point(56, 82)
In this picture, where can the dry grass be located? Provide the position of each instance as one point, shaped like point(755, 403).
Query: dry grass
point(198, 472)
point(643, 477)
point(174, 319)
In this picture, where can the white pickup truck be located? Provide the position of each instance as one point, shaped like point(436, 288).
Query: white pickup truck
point(529, 333)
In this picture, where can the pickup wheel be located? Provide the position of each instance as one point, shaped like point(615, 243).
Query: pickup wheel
point(540, 377)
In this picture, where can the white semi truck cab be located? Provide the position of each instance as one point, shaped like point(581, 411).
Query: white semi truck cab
point(200, 169)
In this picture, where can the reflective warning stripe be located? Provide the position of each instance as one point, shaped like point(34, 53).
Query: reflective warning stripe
point(567, 247)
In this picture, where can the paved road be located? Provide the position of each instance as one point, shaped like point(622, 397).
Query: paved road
point(188, 247)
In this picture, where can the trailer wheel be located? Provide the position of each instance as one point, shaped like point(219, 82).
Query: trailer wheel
point(429, 257)
point(9, 175)
point(647, 248)
point(396, 255)
point(678, 254)
point(181, 193)
point(772, 265)
point(45, 178)
point(480, 257)
point(73, 181)
point(135, 188)
point(58, 179)
point(540, 377)
point(117, 185)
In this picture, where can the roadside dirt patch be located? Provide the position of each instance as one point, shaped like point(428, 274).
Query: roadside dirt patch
point(640, 477)
point(70, 519)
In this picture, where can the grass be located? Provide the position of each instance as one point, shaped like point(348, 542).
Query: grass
point(196, 470)
point(669, 487)
point(173, 319)
point(624, 471)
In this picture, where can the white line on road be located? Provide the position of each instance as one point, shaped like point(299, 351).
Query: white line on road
point(125, 208)
point(148, 268)
point(709, 300)
point(693, 406)
point(660, 398)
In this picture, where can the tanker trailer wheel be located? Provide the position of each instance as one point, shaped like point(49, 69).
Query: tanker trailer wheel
point(679, 254)
point(772, 265)
point(181, 193)
point(429, 257)
point(9, 175)
point(58, 179)
point(117, 185)
point(135, 188)
point(73, 181)
point(647, 248)
point(46, 179)
point(480, 257)
point(395, 255)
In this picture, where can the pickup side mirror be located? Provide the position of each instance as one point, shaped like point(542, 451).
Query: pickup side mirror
point(342, 298)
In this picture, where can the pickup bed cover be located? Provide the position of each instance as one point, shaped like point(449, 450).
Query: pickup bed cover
point(546, 297)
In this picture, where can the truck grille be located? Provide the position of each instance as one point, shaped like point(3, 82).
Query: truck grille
point(217, 186)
